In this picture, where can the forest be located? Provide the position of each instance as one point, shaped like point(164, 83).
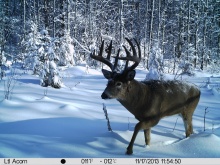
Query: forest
point(176, 36)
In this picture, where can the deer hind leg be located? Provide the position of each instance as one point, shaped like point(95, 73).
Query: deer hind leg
point(147, 136)
point(187, 119)
point(187, 114)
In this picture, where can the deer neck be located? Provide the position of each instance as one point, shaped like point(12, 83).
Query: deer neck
point(134, 97)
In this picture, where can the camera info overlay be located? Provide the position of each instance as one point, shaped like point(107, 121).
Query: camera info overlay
point(110, 161)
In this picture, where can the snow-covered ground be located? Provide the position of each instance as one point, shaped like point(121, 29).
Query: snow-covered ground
point(69, 122)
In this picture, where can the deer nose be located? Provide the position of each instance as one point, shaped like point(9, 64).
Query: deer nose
point(104, 96)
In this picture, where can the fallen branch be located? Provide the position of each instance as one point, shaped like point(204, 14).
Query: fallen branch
point(106, 116)
point(205, 116)
point(83, 47)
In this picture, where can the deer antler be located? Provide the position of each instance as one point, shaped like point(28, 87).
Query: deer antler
point(107, 59)
point(128, 58)
point(133, 58)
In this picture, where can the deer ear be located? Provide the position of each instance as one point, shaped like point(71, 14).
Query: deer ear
point(130, 75)
point(107, 74)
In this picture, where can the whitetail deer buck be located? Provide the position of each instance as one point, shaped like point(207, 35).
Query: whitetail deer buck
point(148, 101)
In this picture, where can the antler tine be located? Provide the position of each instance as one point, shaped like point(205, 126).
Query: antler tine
point(135, 55)
point(139, 49)
point(101, 58)
point(133, 58)
point(132, 47)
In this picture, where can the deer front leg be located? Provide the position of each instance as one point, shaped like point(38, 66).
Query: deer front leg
point(136, 130)
point(146, 125)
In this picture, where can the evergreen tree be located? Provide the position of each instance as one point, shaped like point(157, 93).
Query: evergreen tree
point(156, 67)
point(65, 50)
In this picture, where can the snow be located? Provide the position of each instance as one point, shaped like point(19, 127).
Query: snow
point(152, 75)
point(69, 122)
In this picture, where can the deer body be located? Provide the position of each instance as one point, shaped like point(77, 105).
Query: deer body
point(161, 98)
point(149, 101)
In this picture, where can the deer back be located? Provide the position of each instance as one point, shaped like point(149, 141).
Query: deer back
point(159, 98)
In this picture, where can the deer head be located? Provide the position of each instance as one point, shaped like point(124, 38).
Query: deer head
point(118, 83)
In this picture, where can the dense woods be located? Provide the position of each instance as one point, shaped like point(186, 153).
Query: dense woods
point(175, 35)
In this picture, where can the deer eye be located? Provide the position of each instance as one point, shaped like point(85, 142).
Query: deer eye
point(118, 84)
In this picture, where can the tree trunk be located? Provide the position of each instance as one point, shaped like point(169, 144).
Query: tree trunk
point(67, 16)
point(24, 17)
point(145, 37)
point(54, 25)
point(159, 21)
point(151, 25)
point(151, 32)
point(188, 30)
point(196, 36)
point(62, 26)
point(120, 21)
point(46, 14)
point(204, 35)
point(180, 31)
point(75, 18)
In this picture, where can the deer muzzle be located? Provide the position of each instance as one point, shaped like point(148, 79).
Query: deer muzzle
point(105, 96)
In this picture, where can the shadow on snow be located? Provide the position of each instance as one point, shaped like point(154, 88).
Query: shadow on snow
point(58, 137)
